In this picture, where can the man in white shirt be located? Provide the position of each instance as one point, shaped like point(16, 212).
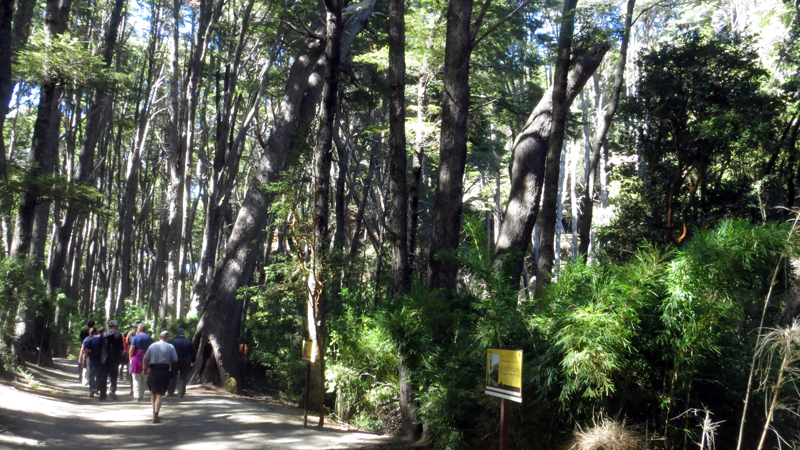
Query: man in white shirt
point(157, 363)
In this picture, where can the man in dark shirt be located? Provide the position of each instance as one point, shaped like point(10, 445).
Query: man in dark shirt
point(81, 337)
point(181, 369)
point(94, 351)
point(111, 354)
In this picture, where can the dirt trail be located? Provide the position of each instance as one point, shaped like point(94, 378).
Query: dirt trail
point(60, 415)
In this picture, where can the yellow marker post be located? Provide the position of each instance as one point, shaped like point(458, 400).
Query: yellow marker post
point(504, 380)
point(308, 353)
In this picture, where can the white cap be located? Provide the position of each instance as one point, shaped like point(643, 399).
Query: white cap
point(113, 322)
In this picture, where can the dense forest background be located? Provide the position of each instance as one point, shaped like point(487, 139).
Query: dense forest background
point(609, 186)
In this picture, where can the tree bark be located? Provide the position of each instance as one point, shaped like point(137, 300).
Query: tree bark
point(321, 272)
point(398, 199)
point(530, 152)
point(398, 187)
point(447, 207)
point(587, 204)
point(174, 184)
point(555, 143)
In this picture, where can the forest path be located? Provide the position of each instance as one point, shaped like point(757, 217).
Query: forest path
point(59, 414)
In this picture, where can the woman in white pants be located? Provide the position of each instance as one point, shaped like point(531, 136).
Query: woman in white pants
point(138, 347)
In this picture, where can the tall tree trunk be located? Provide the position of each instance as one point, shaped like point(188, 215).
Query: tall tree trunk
point(207, 17)
point(398, 197)
point(398, 188)
point(30, 231)
point(416, 166)
point(144, 116)
point(318, 295)
point(12, 39)
point(6, 82)
point(587, 204)
point(96, 117)
point(220, 321)
point(573, 202)
point(447, 207)
point(175, 171)
point(530, 152)
point(554, 145)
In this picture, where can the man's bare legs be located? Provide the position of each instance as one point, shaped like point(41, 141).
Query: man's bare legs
point(156, 401)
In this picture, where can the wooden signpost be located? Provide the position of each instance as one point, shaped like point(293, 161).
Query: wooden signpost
point(504, 380)
point(308, 355)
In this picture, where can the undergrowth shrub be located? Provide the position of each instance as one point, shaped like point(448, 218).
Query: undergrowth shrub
point(641, 341)
point(20, 290)
point(668, 330)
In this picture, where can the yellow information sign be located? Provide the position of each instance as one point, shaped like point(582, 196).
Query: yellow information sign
point(308, 350)
point(504, 374)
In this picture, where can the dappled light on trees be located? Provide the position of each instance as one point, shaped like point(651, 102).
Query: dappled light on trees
point(608, 186)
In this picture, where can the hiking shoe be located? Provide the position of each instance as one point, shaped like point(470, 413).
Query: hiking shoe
point(102, 399)
point(91, 394)
point(113, 396)
point(156, 419)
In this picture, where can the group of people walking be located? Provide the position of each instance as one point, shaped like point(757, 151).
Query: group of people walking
point(162, 365)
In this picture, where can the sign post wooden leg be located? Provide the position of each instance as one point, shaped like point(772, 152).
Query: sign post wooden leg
point(504, 419)
point(305, 402)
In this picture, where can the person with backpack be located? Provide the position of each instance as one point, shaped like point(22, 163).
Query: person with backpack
point(111, 354)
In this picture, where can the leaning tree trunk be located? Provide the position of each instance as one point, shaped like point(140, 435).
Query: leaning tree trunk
point(447, 207)
point(530, 152)
point(220, 322)
point(587, 204)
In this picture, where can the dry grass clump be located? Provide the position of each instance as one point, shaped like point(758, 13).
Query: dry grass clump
point(608, 435)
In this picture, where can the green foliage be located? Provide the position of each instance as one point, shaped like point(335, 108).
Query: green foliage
point(55, 187)
point(61, 59)
point(361, 368)
point(700, 125)
point(275, 328)
point(20, 290)
point(645, 338)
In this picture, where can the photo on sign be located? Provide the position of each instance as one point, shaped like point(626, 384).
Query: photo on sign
point(494, 370)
